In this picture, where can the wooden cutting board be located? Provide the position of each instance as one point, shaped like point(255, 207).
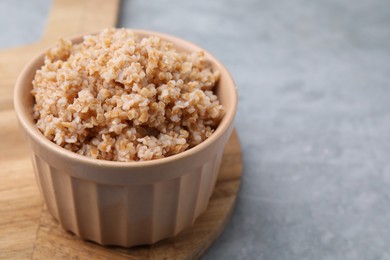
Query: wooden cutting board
point(26, 228)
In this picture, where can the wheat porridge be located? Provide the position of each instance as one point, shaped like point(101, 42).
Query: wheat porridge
point(119, 97)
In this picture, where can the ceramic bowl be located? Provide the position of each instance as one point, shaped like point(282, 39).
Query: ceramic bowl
point(126, 203)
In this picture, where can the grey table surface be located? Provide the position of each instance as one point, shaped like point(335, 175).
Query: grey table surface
point(314, 116)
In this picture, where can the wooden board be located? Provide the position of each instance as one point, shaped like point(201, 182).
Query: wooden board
point(27, 231)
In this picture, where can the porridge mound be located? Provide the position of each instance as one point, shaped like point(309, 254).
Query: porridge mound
point(119, 97)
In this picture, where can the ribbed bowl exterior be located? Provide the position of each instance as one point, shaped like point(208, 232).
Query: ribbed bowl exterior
point(126, 215)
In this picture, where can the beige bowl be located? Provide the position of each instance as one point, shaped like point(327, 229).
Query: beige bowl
point(133, 203)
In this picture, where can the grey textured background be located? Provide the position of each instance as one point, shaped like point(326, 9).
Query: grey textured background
point(314, 116)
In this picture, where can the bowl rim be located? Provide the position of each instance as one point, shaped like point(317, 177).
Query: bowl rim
point(37, 135)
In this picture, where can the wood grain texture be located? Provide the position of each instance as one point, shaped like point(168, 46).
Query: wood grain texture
point(27, 230)
point(73, 17)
